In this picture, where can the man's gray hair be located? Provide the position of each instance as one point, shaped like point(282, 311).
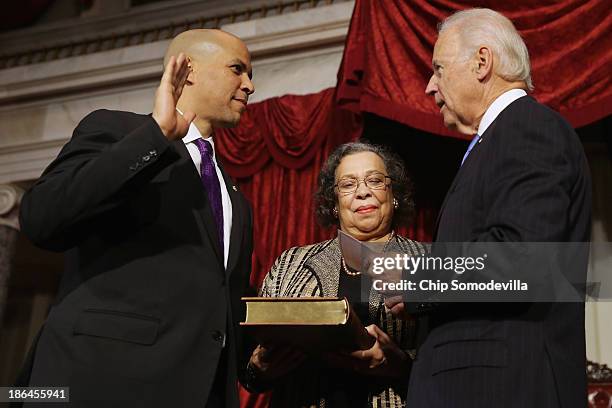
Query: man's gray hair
point(481, 26)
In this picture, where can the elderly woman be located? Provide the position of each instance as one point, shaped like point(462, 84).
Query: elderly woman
point(363, 189)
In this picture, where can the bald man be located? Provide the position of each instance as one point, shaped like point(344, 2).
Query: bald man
point(157, 241)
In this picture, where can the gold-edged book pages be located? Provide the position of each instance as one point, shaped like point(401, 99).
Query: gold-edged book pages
point(313, 324)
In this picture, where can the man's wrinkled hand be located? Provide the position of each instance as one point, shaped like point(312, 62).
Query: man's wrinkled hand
point(396, 306)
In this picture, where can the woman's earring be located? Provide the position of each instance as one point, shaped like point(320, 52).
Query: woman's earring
point(335, 212)
point(395, 204)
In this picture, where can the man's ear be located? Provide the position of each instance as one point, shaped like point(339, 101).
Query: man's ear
point(484, 63)
point(189, 80)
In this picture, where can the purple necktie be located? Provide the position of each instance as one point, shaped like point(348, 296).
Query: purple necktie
point(211, 184)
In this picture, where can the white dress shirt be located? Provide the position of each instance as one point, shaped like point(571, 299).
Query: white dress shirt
point(498, 106)
point(192, 135)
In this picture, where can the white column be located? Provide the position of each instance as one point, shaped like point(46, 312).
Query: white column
point(599, 314)
point(10, 198)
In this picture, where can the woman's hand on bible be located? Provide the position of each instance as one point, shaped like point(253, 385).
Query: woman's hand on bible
point(384, 358)
point(271, 362)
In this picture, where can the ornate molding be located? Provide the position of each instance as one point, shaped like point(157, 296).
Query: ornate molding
point(26, 162)
point(134, 65)
point(598, 373)
point(162, 23)
point(10, 198)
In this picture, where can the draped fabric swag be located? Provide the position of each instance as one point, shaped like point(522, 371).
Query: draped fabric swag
point(387, 57)
point(275, 155)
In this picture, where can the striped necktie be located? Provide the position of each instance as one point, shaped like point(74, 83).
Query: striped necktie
point(470, 147)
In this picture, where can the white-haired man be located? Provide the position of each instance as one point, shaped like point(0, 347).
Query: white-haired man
point(523, 178)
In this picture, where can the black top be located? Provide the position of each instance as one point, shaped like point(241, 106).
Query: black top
point(357, 294)
point(351, 389)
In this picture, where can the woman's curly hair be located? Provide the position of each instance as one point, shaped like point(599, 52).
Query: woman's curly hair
point(325, 196)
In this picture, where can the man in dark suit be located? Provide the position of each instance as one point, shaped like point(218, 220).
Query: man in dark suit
point(524, 178)
point(158, 242)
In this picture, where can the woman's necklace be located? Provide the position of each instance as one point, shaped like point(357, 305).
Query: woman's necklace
point(357, 273)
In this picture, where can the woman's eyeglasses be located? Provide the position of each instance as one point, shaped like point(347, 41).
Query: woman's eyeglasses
point(349, 185)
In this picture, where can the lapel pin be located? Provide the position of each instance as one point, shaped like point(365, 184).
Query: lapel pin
point(235, 188)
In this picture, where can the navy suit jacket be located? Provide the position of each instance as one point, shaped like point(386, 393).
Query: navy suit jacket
point(527, 180)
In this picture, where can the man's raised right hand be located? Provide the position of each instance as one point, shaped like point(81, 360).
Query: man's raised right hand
point(172, 124)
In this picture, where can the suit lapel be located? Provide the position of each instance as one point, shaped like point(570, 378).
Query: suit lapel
point(448, 193)
point(203, 212)
point(237, 221)
point(462, 170)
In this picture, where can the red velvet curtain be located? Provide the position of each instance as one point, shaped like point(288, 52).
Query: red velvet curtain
point(275, 155)
point(569, 41)
point(23, 13)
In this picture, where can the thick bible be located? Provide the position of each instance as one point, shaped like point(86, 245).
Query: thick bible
point(310, 323)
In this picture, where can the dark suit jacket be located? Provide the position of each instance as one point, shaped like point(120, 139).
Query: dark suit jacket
point(145, 303)
point(527, 180)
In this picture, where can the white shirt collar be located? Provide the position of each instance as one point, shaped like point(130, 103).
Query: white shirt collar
point(497, 107)
point(194, 133)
